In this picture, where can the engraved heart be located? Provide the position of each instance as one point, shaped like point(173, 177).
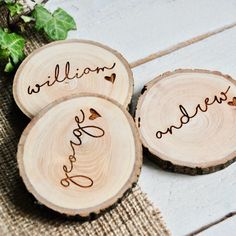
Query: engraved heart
point(233, 102)
point(111, 78)
point(94, 114)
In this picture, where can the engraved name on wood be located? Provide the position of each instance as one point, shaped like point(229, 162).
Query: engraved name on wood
point(186, 120)
point(78, 132)
point(58, 78)
point(70, 67)
point(80, 154)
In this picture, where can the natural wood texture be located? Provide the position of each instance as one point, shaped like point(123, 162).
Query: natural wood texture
point(71, 67)
point(192, 201)
point(80, 154)
point(186, 120)
point(183, 200)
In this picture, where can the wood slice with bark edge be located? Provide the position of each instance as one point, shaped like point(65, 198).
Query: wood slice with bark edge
point(203, 143)
point(65, 176)
point(69, 67)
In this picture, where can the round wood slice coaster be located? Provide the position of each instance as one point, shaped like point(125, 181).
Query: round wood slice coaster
point(187, 120)
point(80, 154)
point(70, 67)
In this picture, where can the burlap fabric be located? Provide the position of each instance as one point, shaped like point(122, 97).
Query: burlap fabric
point(20, 214)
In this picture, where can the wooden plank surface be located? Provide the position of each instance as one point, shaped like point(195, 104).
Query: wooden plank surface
point(187, 202)
point(227, 228)
point(139, 28)
point(215, 53)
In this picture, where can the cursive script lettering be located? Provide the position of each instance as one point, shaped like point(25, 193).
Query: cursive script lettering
point(90, 130)
point(66, 76)
point(185, 118)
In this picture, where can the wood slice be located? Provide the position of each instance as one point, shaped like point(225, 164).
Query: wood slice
point(70, 67)
point(80, 155)
point(187, 120)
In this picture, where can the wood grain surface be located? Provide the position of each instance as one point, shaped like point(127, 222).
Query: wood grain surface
point(226, 227)
point(71, 67)
point(83, 162)
point(138, 28)
point(141, 28)
point(185, 200)
point(186, 119)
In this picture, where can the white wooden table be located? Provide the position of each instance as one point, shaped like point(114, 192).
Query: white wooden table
point(148, 33)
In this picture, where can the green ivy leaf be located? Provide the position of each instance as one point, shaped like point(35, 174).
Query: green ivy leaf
point(12, 45)
point(42, 16)
point(63, 17)
point(15, 8)
point(2, 33)
point(55, 25)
